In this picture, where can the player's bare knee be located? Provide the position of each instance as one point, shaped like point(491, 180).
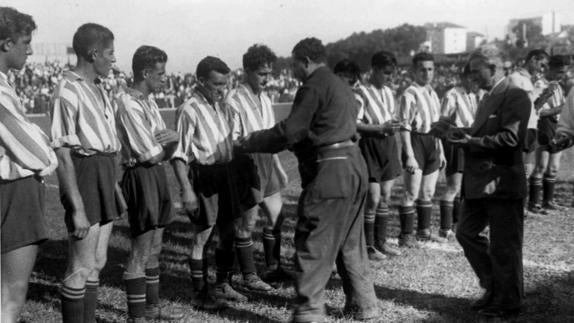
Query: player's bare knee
point(78, 275)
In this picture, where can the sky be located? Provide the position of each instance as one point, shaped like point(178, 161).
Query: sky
point(189, 30)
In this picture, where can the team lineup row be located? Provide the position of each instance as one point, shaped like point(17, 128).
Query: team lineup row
point(108, 153)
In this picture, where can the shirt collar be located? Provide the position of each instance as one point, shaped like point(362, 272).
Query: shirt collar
point(136, 94)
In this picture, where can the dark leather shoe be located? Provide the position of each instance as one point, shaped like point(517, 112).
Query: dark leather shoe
point(483, 301)
point(499, 311)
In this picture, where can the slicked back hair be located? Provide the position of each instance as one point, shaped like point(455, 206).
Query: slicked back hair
point(91, 36)
point(209, 64)
point(146, 57)
point(14, 24)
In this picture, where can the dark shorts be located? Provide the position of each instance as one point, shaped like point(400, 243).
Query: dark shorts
point(270, 179)
point(426, 152)
point(218, 194)
point(530, 142)
point(382, 158)
point(96, 178)
point(22, 208)
point(546, 131)
point(454, 158)
point(147, 195)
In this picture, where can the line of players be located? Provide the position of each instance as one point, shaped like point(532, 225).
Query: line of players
point(93, 134)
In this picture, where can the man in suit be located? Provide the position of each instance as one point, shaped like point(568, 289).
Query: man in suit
point(494, 186)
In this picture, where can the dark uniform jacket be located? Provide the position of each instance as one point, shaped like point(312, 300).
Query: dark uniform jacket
point(493, 160)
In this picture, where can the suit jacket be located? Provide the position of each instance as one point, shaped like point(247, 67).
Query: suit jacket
point(493, 158)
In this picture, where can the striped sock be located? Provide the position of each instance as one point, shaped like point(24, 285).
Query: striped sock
point(548, 188)
point(381, 224)
point(269, 242)
point(72, 304)
point(244, 247)
point(407, 217)
point(446, 212)
point(424, 212)
point(197, 278)
point(370, 228)
point(152, 286)
point(136, 294)
point(91, 301)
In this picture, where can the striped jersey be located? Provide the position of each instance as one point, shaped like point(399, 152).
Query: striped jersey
point(83, 119)
point(523, 80)
point(255, 112)
point(566, 122)
point(463, 105)
point(376, 106)
point(24, 148)
point(557, 99)
point(138, 121)
point(206, 131)
point(419, 108)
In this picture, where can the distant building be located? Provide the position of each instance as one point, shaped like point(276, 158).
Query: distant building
point(474, 40)
point(446, 38)
point(52, 52)
point(549, 23)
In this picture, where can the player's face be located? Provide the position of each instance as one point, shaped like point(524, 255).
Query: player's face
point(216, 84)
point(480, 74)
point(258, 78)
point(104, 59)
point(19, 51)
point(538, 66)
point(384, 75)
point(424, 72)
point(347, 79)
point(156, 77)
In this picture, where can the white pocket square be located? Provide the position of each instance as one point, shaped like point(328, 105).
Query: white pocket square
point(492, 116)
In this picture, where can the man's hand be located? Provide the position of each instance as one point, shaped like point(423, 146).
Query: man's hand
point(166, 137)
point(81, 224)
point(442, 127)
point(442, 160)
point(238, 144)
point(411, 165)
point(561, 141)
point(390, 127)
point(460, 138)
point(190, 205)
point(121, 203)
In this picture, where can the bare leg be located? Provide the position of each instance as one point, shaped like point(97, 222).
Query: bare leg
point(17, 267)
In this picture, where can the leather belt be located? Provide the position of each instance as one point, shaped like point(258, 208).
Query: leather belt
point(337, 145)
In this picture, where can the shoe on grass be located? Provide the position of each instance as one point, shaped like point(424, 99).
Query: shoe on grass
point(226, 292)
point(252, 282)
point(374, 254)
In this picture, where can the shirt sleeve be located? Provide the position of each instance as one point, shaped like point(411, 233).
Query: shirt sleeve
point(361, 106)
point(65, 107)
point(185, 127)
point(448, 106)
point(407, 109)
point(24, 143)
point(566, 121)
point(137, 130)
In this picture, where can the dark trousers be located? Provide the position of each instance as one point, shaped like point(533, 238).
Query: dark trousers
point(329, 230)
point(497, 264)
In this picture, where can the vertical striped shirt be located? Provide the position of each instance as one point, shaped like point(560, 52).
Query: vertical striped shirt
point(376, 106)
point(24, 148)
point(523, 80)
point(419, 108)
point(566, 122)
point(461, 104)
point(138, 121)
point(557, 99)
point(206, 131)
point(83, 119)
point(255, 111)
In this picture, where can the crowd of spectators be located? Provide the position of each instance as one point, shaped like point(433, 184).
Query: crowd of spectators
point(36, 82)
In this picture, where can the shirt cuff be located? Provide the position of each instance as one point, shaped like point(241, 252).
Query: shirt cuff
point(69, 141)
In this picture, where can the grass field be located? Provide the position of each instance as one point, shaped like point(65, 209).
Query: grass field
point(432, 284)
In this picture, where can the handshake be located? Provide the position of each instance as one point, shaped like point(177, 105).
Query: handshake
point(390, 127)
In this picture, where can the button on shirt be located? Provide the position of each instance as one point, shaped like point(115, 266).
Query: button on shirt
point(83, 118)
point(24, 148)
point(206, 131)
point(419, 108)
point(138, 122)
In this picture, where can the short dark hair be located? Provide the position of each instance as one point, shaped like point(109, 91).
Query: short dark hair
point(382, 59)
point(257, 56)
point(14, 24)
point(422, 57)
point(312, 48)
point(146, 57)
point(538, 54)
point(347, 67)
point(558, 61)
point(88, 36)
point(209, 64)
